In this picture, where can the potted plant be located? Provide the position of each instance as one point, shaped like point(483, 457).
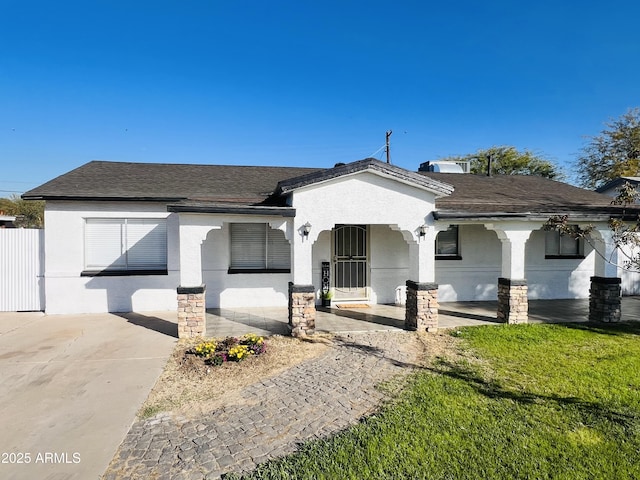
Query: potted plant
point(326, 298)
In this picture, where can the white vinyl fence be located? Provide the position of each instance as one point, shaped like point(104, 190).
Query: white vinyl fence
point(21, 269)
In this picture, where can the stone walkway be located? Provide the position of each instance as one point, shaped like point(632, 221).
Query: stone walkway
point(314, 399)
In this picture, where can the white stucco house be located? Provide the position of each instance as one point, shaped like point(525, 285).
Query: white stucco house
point(141, 237)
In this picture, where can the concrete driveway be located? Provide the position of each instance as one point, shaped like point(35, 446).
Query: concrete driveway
point(70, 387)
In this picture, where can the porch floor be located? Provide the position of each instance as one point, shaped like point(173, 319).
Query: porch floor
point(223, 322)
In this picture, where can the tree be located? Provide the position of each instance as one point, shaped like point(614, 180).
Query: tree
point(508, 160)
point(28, 213)
point(612, 154)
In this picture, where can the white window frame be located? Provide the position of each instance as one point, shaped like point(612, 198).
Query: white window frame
point(114, 246)
point(258, 248)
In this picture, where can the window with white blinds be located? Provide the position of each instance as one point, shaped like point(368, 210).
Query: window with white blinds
point(256, 246)
point(125, 244)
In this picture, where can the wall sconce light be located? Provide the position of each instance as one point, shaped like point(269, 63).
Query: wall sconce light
point(422, 230)
point(306, 228)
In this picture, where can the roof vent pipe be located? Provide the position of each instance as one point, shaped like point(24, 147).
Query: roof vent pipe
point(489, 164)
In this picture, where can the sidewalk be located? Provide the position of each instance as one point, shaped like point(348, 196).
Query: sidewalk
point(314, 399)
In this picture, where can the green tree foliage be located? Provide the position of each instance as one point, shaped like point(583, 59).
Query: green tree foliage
point(508, 160)
point(612, 154)
point(28, 213)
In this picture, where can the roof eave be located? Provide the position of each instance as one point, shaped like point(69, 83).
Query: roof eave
point(90, 198)
point(233, 210)
point(595, 216)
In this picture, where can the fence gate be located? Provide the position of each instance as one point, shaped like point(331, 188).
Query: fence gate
point(21, 269)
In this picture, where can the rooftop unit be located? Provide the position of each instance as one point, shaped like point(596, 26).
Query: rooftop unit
point(441, 166)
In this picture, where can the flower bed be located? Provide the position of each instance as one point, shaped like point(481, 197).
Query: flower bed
point(231, 349)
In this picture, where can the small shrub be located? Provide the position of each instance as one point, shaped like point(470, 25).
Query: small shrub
point(239, 352)
point(205, 349)
point(216, 352)
point(217, 359)
point(255, 343)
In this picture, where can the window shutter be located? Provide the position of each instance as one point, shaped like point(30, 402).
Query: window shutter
point(248, 243)
point(146, 243)
point(104, 243)
point(278, 250)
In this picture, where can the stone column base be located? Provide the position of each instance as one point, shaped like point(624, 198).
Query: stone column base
point(605, 299)
point(421, 307)
point(513, 301)
point(302, 310)
point(192, 320)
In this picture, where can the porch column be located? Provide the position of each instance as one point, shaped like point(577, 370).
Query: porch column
point(302, 310)
point(192, 319)
point(422, 307)
point(513, 300)
point(605, 294)
point(302, 305)
point(422, 292)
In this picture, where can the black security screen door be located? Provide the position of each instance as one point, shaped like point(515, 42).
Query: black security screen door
point(350, 261)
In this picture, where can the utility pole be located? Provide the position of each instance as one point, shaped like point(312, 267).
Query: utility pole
point(387, 148)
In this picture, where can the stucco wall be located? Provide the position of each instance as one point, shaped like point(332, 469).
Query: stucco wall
point(68, 292)
point(389, 263)
point(557, 278)
point(365, 199)
point(475, 277)
point(237, 290)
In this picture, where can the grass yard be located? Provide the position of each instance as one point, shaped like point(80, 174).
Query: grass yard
point(526, 401)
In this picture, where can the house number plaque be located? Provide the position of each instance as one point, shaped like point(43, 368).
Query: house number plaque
point(326, 277)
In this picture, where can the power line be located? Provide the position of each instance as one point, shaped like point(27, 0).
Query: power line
point(373, 155)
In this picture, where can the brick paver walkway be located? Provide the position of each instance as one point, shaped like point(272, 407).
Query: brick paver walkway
point(314, 399)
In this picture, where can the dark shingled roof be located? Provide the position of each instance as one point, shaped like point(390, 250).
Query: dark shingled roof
point(370, 164)
point(219, 188)
point(100, 180)
point(516, 195)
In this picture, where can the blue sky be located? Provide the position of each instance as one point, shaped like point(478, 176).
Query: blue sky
point(305, 83)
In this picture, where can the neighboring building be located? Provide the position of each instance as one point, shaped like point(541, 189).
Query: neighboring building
point(7, 221)
point(125, 236)
point(611, 189)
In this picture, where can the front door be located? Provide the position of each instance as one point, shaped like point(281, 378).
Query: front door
point(350, 262)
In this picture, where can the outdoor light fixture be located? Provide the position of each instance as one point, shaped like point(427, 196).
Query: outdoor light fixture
point(422, 230)
point(306, 228)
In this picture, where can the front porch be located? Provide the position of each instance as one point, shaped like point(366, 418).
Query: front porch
point(273, 320)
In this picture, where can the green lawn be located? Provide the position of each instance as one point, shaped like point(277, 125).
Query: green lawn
point(540, 401)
